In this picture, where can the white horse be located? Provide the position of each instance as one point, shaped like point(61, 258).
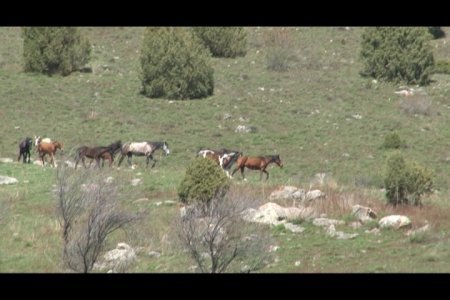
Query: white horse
point(142, 149)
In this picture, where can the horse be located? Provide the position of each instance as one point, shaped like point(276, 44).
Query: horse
point(38, 139)
point(25, 149)
point(142, 149)
point(257, 163)
point(50, 149)
point(96, 153)
point(224, 157)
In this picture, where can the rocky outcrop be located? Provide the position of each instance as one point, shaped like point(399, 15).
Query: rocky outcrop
point(117, 260)
point(294, 193)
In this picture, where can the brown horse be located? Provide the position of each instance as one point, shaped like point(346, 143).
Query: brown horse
point(97, 153)
point(257, 163)
point(50, 149)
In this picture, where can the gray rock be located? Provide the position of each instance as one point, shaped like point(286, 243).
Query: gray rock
point(6, 160)
point(117, 260)
point(294, 228)
point(364, 214)
point(136, 181)
point(313, 195)
point(420, 230)
point(154, 254)
point(327, 222)
point(395, 221)
point(7, 180)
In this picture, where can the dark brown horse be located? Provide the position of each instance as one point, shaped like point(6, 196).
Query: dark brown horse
point(25, 149)
point(50, 149)
point(256, 163)
point(97, 153)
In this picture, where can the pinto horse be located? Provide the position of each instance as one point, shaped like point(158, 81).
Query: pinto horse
point(142, 149)
point(38, 139)
point(257, 163)
point(50, 149)
point(224, 157)
point(25, 149)
point(96, 153)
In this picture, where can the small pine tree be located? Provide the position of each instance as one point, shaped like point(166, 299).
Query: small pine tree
point(175, 65)
point(54, 50)
point(203, 180)
point(436, 32)
point(393, 141)
point(406, 182)
point(223, 41)
point(399, 54)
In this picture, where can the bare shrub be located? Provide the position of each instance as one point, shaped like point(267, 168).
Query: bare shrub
point(279, 51)
point(88, 211)
point(219, 240)
point(416, 105)
point(4, 209)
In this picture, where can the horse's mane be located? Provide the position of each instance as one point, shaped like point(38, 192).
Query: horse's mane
point(157, 145)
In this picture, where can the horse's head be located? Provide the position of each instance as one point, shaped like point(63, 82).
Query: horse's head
point(116, 146)
point(29, 142)
point(277, 160)
point(59, 145)
point(166, 148)
point(37, 140)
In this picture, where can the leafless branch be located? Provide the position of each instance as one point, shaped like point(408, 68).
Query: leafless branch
point(218, 239)
point(89, 211)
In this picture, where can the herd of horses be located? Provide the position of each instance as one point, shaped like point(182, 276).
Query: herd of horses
point(225, 158)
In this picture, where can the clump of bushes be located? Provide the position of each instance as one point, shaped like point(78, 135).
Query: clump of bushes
point(175, 65)
point(393, 141)
point(203, 180)
point(279, 51)
point(223, 41)
point(406, 181)
point(54, 50)
point(397, 54)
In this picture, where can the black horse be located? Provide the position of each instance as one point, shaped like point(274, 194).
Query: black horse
point(25, 149)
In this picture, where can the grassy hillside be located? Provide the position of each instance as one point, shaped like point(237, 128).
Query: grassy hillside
point(319, 116)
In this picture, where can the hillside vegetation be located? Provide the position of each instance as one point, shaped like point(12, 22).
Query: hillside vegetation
point(320, 115)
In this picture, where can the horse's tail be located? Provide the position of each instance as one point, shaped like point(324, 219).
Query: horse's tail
point(232, 160)
point(124, 148)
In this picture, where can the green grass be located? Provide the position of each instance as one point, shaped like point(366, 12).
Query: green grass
point(307, 115)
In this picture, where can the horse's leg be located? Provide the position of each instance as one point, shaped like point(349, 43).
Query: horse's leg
point(154, 160)
point(97, 160)
point(29, 156)
point(120, 159)
point(20, 153)
point(267, 174)
point(42, 158)
point(129, 158)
